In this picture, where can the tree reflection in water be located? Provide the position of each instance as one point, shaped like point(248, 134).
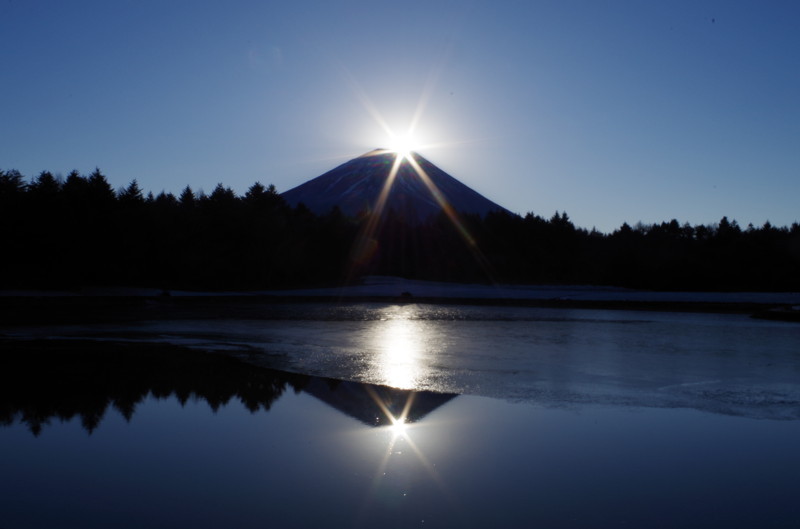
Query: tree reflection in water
point(47, 379)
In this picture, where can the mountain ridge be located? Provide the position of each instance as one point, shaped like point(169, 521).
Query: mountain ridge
point(356, 185)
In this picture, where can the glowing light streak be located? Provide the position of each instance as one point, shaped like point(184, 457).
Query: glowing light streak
point(442, 201)
point(365, 244)
point(366, 102)
point(401, 430)
point(403, 146)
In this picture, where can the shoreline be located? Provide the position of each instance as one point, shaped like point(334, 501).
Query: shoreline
point(43, 309)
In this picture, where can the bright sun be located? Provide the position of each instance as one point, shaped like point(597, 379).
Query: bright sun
point(402, 145)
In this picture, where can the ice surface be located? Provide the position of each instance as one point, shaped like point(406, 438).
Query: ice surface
point(721, 363)
point(599, 419)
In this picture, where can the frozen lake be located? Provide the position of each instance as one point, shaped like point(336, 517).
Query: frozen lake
point(520, 417)
point(725, 363)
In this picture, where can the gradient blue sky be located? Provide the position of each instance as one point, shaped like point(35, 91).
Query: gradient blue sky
point(613, 111)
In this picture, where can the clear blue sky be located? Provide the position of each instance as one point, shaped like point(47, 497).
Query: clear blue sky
point(613, 111)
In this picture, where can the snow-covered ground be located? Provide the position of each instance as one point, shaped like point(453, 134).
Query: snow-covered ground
point(390, 287)
point(396, 286)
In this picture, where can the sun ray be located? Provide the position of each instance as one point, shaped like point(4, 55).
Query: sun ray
point(403, 146)
point(437, 195)
point(385, 409)
point(365, 101)
point(401, 430)
point(430, 86)
point(453, 216)
point(366, 239)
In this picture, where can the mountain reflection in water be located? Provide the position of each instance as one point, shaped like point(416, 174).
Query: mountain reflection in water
point(45, 380)
point(474, 463)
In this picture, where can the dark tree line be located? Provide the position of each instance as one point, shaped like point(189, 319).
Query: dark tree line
point(665, 256)
point(80, 231)
point(41, 382)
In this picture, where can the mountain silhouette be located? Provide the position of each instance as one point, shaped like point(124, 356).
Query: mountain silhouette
point(418, 191)
point(375, 405)
point(42, 381)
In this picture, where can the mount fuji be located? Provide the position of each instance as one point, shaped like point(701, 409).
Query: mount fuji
point(418, 191)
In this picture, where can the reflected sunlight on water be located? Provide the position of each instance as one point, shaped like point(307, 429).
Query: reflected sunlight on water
point(680, 420)
point(399, 341)
point(722, 363)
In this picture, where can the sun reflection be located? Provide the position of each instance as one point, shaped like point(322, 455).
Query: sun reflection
point(400, 344)
point(402, 440)
point(399, 442)
point(399, 426)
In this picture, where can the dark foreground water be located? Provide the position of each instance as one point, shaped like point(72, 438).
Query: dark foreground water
point(570, 419)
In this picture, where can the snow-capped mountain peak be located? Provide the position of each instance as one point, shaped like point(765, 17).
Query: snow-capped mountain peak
point(418, 190)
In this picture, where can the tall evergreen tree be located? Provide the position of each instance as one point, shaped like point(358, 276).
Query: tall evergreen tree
point(131, 195)
point(100, 191)
point(187, 197)
point(45, 185)
point(12, 183)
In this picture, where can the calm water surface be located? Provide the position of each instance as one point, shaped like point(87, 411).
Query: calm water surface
point(542, 418)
